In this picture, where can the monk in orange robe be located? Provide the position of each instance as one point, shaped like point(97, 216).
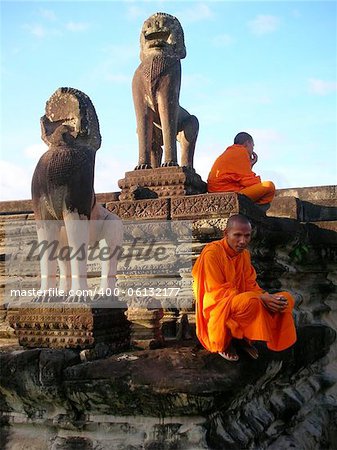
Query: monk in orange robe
point(232, 172)
point(230, 303)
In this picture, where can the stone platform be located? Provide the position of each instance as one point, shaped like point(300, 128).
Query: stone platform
point(179, 397)
point(160, 182)
point(79, 326)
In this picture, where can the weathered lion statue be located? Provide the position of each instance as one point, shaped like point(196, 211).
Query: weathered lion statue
point(156, 87)
point(64, 199)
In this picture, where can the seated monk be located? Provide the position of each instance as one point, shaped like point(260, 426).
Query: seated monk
point(229, 302)
point(232, 172)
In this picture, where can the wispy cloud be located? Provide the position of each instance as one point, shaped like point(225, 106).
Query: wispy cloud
point(266, 135)
point(36, 30)
point(14, 181)
point(105, 166)
point(321, 87)
point(43, 30)
point(252, 93)
point(265, 141)
point(264, 24)
point(34, 151)
point(121, 52)
point(76, 27)
point(195, 13)
point(135, 12)
point(222, 40)
point(118, 78)
point(194, 81)
point(48, 14)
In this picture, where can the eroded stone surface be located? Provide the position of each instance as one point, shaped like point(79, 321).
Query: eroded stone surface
point(216, 402)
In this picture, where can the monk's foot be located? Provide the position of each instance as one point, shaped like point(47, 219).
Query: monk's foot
point(230, 353)
point(249, 348)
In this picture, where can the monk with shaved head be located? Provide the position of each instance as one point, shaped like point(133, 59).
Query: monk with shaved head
point(232, 172)
point(231, 308)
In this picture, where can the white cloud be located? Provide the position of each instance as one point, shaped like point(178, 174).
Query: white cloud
point(267, 140)
point(105, 166)
point(264, 24)
point(118, 54)
point(34, 151)
point(40, 31)
point(135, 12)
point(296, 13)
point(76, 27)
point(254, 93)
point(118, 78)
point(321, 87)
point(36, 30)
point(194, 81)
point(266, 135)
point(222, 40)
point(195, 13)
point(48, 14)
point(14, 181)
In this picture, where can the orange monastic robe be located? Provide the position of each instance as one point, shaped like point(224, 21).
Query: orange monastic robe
point(232, 171)
point(228, 303)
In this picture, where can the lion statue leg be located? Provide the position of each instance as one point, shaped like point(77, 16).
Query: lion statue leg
point(144, 118)
point(107, 229)
point(47, 234)
point(188, 128)
point(157, 149)
point(77, 228)
point(168, 112)
point(64, 265)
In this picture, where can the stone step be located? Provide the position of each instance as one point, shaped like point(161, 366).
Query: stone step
point(311, 193)
point(25, 206)
point(315, 210)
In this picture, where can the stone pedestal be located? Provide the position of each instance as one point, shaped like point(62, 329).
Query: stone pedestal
point(146, 327)
point(80, 326)
point(161, 182)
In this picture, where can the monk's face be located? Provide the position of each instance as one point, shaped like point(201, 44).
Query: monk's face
point(249, 146)
point(238, 236)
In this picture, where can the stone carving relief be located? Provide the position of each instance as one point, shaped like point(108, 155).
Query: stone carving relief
point(161, 121)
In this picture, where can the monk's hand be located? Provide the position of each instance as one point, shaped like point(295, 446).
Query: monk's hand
point(253, 159)
point(274, 303)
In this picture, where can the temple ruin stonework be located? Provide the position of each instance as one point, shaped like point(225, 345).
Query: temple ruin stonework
point(69, 378)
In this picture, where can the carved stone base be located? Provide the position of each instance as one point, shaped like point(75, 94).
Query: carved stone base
point(161, 182)
point(186, 324)
point(146, 327)
point(82, 326)
point(169, 324)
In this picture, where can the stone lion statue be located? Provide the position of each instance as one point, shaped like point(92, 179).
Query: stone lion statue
point(63, 194)
point(161, 121)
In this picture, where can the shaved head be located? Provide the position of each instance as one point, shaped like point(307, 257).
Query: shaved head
point(242, 137)
point(237, 219)
point(238, 232)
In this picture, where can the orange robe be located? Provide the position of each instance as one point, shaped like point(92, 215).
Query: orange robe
point(228, 303)
point(232, 172)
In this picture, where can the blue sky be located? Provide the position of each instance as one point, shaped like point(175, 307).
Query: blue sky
point(266, 67)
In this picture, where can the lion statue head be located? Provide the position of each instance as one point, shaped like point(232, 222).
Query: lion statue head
point(71, 118)
point(162, 34)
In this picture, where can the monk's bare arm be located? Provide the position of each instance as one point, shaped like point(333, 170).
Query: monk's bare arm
point(274, 303)
point(254, 159)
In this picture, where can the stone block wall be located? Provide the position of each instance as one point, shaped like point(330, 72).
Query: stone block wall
point(181, 396)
